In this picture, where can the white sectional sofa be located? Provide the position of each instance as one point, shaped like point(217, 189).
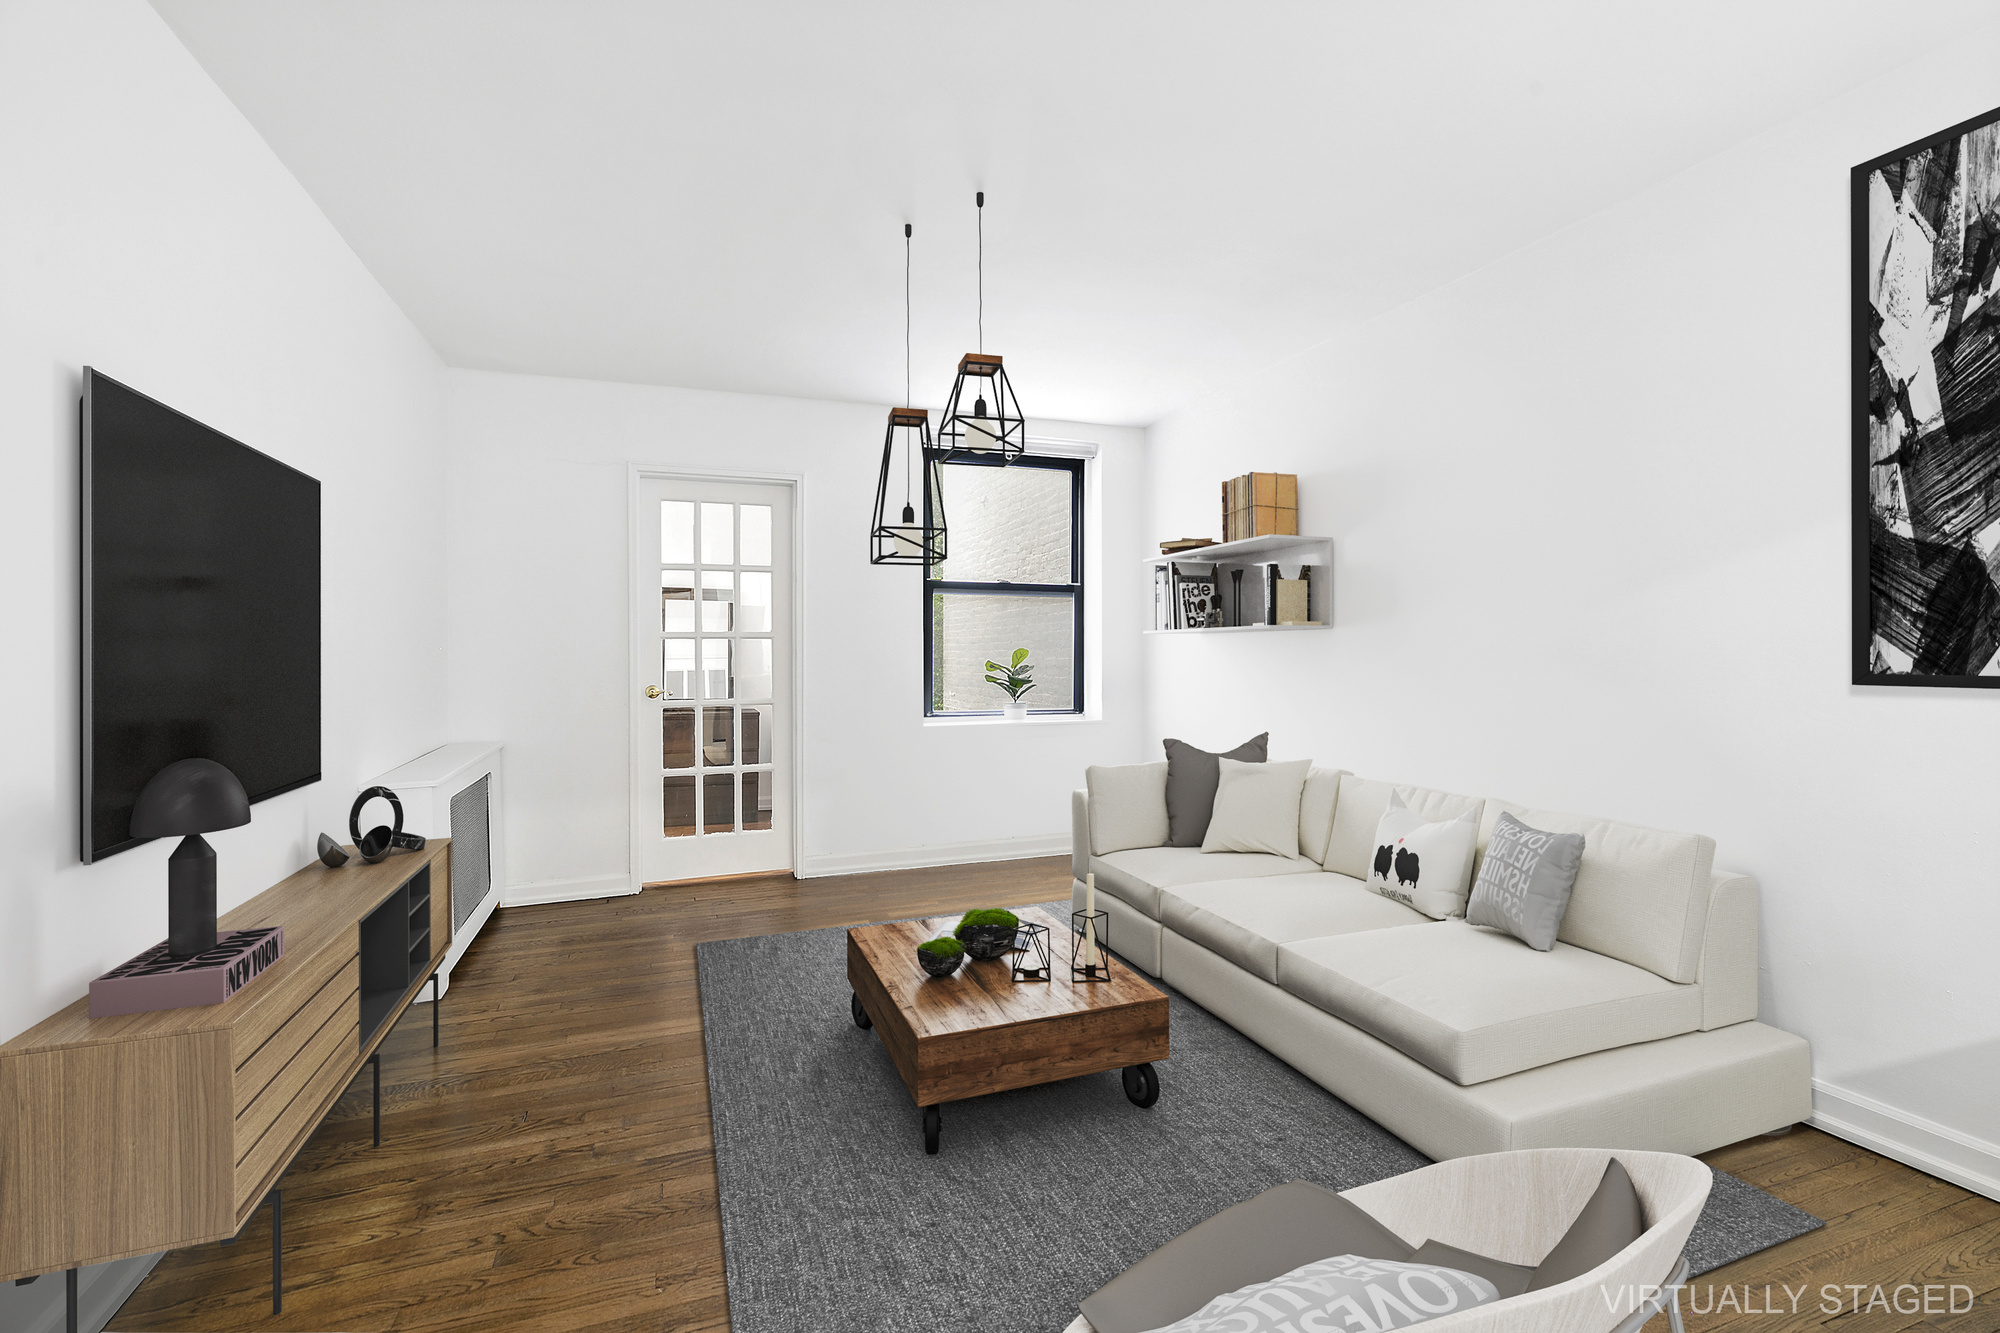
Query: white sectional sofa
point(1638, 1030)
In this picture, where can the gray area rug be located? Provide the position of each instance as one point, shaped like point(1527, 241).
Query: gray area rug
point(834, 1217)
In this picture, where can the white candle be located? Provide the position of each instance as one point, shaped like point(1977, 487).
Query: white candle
point(1090, 958)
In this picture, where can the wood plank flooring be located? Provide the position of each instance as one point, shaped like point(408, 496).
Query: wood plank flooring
point(550, 1165)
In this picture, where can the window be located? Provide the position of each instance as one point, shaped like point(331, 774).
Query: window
point(1012, 577)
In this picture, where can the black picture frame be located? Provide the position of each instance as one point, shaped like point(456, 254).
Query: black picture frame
point(1930, 591)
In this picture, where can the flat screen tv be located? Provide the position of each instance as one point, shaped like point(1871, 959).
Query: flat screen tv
point(201, 609)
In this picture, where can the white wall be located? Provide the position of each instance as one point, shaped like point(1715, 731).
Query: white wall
point(1590, 510)
point(145, 229)
point(538, 631)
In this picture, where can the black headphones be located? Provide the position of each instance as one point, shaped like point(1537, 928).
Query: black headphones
point(381, 839)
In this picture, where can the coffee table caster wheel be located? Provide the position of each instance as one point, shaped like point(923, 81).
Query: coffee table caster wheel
point(1142, 1085)
point(933, 1122)
point(861, 1018)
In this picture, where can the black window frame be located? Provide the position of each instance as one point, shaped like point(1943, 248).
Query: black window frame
point(1075, 588)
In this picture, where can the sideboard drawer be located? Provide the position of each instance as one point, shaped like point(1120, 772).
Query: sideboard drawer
point(255, 1074)
point(274, 998)
point(333, 1044)
point(310, 1088)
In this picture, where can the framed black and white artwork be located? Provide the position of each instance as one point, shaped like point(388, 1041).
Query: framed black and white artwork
point(1926, 411)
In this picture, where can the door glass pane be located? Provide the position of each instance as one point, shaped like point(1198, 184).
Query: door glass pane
point(753, 606)
point(753, 669)
point(1010, 523)
point(718, 600)
point(972, 628)
point(756, 736)
point(677, 668)
point(718, 803)
point(677, 738)
point(756, 534)
point(718, 534)
point(716, 662)
point(676, 532)
point(757, 800)
point(677, 601)
point(718, 749)
point(678, 800)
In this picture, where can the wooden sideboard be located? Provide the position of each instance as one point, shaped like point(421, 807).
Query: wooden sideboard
point(145, 1132)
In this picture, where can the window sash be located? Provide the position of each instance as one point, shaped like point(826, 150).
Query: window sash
point(1074, 588)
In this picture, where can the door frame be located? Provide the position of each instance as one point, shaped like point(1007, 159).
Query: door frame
point(637, 477)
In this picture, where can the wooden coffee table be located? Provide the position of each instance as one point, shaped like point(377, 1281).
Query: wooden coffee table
point(979, 1031)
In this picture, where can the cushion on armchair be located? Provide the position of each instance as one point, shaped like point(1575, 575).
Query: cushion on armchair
point(1257, 1240)
point(1611, 1219)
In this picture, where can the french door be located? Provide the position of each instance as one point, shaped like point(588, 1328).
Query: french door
point(712, 773)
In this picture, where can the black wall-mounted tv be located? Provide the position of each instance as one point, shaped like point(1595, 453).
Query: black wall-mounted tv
point(201, 609)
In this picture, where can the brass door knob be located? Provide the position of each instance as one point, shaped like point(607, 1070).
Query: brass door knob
point(652, 691)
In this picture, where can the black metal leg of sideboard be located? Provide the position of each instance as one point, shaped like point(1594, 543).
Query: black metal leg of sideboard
point(69, 1300)
point(434, 1010)
point(277, 1251)
point(375, 1064)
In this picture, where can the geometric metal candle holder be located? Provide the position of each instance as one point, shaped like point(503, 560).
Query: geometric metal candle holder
point(1031, 952)
point(1089, 936)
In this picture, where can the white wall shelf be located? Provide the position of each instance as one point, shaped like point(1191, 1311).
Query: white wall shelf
point(1250, 555)
point(1256, 550)
point(1235, 629)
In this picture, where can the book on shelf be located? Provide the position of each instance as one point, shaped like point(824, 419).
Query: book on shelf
point(1260, 504)
point(1195, 602)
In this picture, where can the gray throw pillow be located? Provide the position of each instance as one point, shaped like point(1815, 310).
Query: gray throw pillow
point(1525, 882)
point(1191, 777)
point(1507, 1279)
point(1611, 1219)
point(1257, 1240)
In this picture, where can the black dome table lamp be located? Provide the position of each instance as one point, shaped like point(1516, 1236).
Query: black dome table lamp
point(191, 797)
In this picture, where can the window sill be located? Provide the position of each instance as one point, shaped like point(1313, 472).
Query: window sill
point(1047, 720)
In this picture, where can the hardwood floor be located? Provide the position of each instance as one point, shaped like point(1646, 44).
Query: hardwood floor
point(549, 1166)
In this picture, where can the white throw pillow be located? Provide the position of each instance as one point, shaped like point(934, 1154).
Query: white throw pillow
point(1344, 1292)
point(1257, 808)
point(1422, 864)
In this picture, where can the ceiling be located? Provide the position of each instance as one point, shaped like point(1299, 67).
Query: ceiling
point(1178, 193)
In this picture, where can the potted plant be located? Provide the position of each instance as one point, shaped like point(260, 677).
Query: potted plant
point(988, 932)
point(1013, 678)
point(940, 957)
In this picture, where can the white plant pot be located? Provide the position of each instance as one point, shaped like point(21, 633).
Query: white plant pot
point(1013, 710)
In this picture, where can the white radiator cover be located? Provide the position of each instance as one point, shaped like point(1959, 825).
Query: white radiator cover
point(454, 792)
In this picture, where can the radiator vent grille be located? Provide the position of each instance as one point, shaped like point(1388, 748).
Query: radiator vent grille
point(471, 851)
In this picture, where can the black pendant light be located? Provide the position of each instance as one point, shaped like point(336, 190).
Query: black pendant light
point(901, 535)
point(991, 429)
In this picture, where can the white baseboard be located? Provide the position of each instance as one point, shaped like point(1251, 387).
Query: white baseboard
point(39, 1307)
point(567, 890)
point(1949, 1154)
point(937, 854)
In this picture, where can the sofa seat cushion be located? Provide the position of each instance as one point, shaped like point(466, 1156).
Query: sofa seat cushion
point(1474, 1004)
point(1135, 877)
point(1245, 920)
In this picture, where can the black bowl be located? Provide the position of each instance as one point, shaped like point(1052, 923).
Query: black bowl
point(939, 964)
point(986, 942)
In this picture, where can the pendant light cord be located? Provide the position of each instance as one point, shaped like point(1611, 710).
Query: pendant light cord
point(980, 201)
point(908, 466)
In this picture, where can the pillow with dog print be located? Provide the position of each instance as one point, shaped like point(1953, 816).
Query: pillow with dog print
point(1346, 1291)
point(1423, 864)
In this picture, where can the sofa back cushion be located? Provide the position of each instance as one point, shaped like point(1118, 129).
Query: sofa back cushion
point(1350, 844)
point(1316, 804)
point(1128, 806)
point(1641, 894)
